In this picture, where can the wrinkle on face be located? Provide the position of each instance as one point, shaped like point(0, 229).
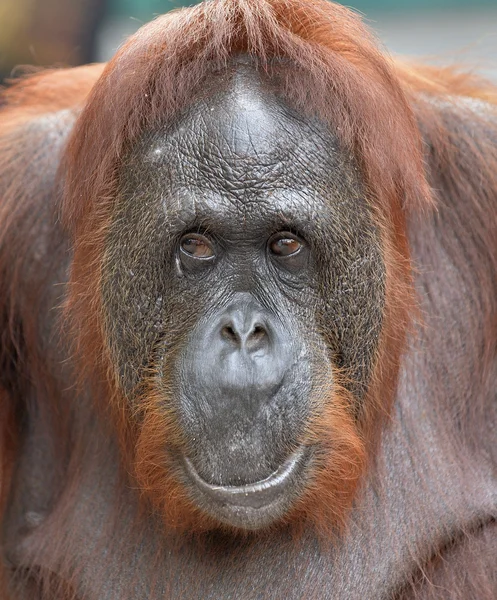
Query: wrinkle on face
point(244, 154)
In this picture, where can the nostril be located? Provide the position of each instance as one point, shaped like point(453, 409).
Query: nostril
point(258, 332)
point(228, 333)
point(257, 337)
point(249, 337)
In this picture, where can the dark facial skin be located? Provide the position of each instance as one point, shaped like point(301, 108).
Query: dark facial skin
point(242, 263)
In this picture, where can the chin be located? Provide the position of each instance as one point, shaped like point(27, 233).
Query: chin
point(252, 506)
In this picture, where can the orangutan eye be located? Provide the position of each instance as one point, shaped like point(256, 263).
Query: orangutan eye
point(284, 244)
point(196, 246)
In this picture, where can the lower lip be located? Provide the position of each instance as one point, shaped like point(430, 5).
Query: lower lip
point(254, 495)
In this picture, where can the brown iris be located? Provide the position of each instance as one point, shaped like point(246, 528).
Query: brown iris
point(197, 246)
point(284, 244)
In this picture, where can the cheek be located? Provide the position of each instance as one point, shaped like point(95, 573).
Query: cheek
point(135, 273)
point(353, 280)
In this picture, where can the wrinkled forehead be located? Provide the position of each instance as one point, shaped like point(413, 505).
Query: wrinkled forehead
point(241, 145)
point(242, 125)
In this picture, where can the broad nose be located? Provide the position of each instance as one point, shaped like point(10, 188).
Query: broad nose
point(235, 367)
point(247, 353)
point(245, 329)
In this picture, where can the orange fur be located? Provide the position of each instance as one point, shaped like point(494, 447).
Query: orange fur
point(337, 73)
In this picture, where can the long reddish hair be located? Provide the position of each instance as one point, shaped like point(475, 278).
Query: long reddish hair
point(335, 71)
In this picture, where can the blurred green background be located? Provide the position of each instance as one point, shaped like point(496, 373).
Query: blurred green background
point(71, 32)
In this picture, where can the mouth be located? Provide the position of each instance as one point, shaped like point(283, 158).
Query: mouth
point(254, 505)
